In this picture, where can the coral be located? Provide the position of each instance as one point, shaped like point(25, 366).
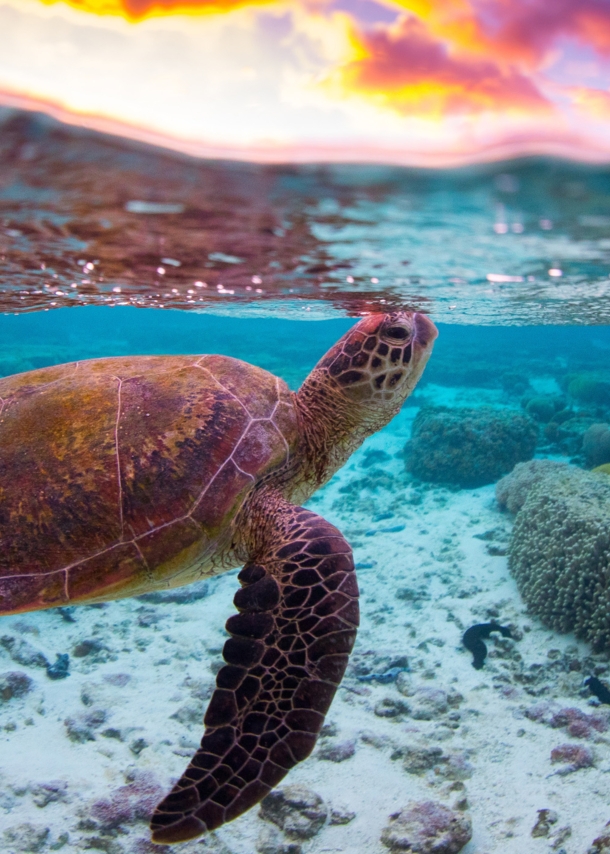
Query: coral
point(128, 804)
point(513, 489)
point(49, 793)
point(426, 704)
point(80, 728)
point(575, 755)
point(14, 684)
point(596, 445)
point(468, 447)
point(601, 844)
point(559, 552)
point(589, 388)
point(566, 431)
point(341, 815)
point(541, 408)
point(388, 707)
point(270, 841)
point(23, 652)
point(418, 760)
point(86, 647)
point(26, 837)
point(337, 751)
point(577, 723)
point(605, 469)
point(298, 811)
point(426, 827)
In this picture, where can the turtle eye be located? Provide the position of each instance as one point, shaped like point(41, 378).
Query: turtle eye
point(397, 333)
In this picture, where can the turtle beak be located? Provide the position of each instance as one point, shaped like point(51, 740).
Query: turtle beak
point(425, 331)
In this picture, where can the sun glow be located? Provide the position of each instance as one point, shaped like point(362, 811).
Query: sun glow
point(411, 82)
point(137, 10)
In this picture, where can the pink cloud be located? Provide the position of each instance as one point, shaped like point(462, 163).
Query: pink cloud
point(413, 70)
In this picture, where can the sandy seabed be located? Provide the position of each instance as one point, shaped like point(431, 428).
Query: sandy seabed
point(431, 563)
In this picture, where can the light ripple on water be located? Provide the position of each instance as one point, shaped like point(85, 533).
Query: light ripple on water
point(90, 219)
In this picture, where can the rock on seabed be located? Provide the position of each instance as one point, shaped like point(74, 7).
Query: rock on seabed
point(427, 827)
point(297, 810)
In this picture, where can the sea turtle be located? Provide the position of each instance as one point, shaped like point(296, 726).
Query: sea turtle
point(125, 475)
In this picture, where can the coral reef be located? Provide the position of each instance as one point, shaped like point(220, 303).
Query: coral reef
point(513, 489)
point(588, 388)
point(540, 408)
point(427, 827)
point(468, 447)
point(566, 429)
point(559, 552)
point(596, 445)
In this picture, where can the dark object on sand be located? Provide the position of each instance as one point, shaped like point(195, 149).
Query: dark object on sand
point(473, 640)
point(599, 689)
point(383, 678)
point(60, 669)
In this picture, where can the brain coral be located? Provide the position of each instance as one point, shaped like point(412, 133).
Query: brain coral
point(596, 444)
point(468, 447)
point(560, 546)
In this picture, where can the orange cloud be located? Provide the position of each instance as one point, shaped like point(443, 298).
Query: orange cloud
point(405, 68)
point(137, 10)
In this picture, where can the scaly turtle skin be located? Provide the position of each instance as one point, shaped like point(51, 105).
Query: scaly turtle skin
point(126, 475)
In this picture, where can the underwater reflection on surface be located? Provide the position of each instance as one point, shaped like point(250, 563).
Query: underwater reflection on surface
point(87, 218)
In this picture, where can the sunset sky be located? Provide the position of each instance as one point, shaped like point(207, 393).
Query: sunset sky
point(429, 82)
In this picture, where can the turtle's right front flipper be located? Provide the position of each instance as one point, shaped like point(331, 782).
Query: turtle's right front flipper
point(287, 653)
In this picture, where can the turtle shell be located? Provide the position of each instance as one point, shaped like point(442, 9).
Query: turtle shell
point(123, 475)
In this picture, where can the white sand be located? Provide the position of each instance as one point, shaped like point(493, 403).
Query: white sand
point(453, 580)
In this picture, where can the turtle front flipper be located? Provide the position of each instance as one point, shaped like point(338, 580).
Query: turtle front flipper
point(287, 654)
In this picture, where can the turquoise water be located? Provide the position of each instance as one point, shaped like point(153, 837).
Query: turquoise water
point(463, 355)
point(512, 261)
point(88, 219)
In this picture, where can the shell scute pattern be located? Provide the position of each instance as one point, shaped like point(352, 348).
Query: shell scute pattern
point(126, 469)
point(60, 501)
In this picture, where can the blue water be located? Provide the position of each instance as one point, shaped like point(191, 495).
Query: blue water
point(463, 355)
point(88, 219)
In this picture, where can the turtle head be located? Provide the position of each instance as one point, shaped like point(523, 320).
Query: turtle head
point(356, 388)
point(379, 361)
